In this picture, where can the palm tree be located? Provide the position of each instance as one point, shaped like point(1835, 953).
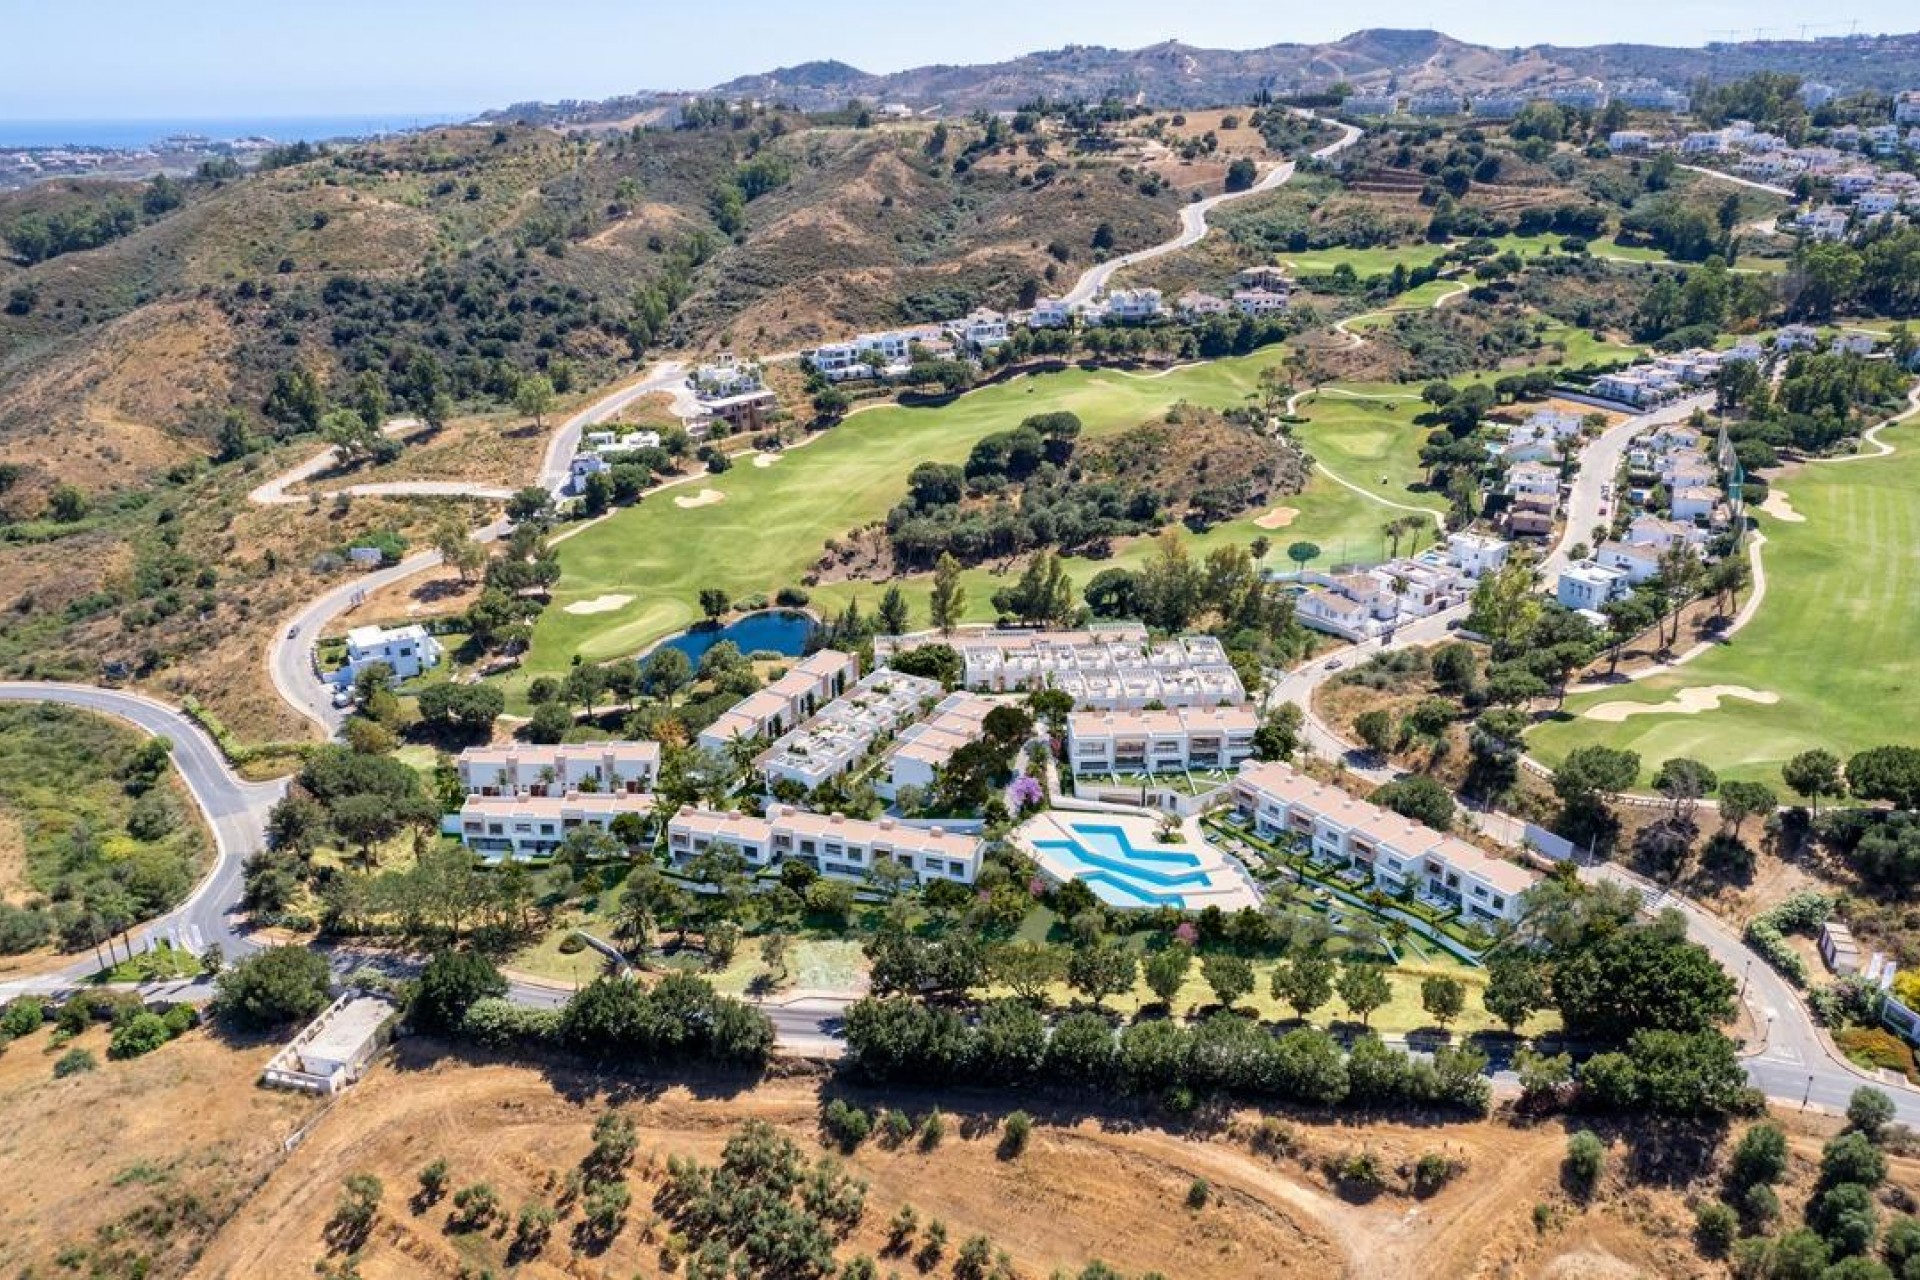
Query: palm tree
point(1392, 529)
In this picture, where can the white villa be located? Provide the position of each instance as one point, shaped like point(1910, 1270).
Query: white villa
point(813, 681)
point(529, 826)
point(611, 767)
point(1585, 585)
point(1126, 306)
point(1154, 742)
point(1629, 140)
point(1359, 606)
point(923, 749)
point(1824, 223)
point(1051, 313)
point(1534, 478)
point(1259, 302)
point(1639, 563)
point(408, 650)
point(855, 358)
point(841, 733)
point(1195, 305)
point(1104, 669)
point(727, 375)
point(979, 330)
point(1398, 852)
point(837, 846)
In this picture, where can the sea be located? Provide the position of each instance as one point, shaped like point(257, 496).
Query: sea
point(131, 135)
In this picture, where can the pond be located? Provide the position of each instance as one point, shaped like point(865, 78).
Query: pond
point(781, 631)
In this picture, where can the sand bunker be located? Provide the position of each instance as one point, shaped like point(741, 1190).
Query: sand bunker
point(1780, 508)
point(766, 459)
point(599, 604)
point(1278, 518)
point(1685, 703)
point(704, 498)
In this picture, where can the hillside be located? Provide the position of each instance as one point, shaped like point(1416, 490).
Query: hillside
point(1180, 75)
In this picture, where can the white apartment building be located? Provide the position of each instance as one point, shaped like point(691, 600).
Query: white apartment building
point(1154, 742)
point(1647, 96)
point(1102, 669)
point(1496, 106)
point(1582, 95)
point(1824, 223)
point(1370, 104)
point(1434, 102)
point(725, 376)
point(837, 846)
point(1195, 305)
point(841, 733)
point(1398, 852)
point(923, 749)
point(587, 767)
point(1816, 95)
point(1630, 140)
point(1051, 313)
point(813, 682)
point(408, 650)
point(1906, 107)
point(528, 826)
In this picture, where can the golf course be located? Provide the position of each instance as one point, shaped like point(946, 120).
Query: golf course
point(1829, 654)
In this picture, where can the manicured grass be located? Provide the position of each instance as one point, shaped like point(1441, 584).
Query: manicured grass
point(1365, 262)
point(162, 964)
point(1834, 637)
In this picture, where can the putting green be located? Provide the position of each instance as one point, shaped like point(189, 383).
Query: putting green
point(1834, 637)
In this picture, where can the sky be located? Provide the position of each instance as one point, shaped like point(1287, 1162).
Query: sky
point(135, 59)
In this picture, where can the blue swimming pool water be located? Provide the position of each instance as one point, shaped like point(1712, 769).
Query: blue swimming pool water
point(1122, 873)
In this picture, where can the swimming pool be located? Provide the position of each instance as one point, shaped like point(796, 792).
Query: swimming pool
point(1122, 873)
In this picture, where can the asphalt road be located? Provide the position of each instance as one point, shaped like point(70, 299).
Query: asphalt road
point(1193, 219)
point(236, 811)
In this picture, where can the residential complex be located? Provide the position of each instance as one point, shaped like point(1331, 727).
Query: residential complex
point(1372, 602)
point(814, 681)
point(1153, 742)
point(841, 847)
point(517, 770)
point(511, 827)
point(842, 733)
point(923, 749)
point(1399, 853)
point(1103, 668)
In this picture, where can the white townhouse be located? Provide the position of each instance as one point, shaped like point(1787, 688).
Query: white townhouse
point(1639, 563)
point(1652, 531)
point(1434, 102)
point(1397, 852)
point(1586, 585)
point(1629, 140)
point(1130, 306)
point(528, 826)
point(1704, 143)
point(1647, 95)
point(1155, 742)
point(1853, 182)
point(840, 735)
point(1259, 302)
point(1496, 106)
point(1814, 95)
point(979, 330)
point(1102, 668)
point(408, 650)
point(1695, 502)
point(922, 750)
point(814, 681)
point(1534, 478)
point(1882, 139)
point(855, 358)
point(1370, 104)
point(1878, 202)
point(1051, 313)
point(588, 767)
point(1195, 305)
point(1582, 95)
point(832, 844)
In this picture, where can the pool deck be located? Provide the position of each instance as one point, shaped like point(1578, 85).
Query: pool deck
point(1228, 887)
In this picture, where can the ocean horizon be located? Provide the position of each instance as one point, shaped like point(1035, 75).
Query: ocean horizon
point(128, 135)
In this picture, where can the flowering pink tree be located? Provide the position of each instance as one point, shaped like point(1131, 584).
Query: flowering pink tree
point(1026, 794)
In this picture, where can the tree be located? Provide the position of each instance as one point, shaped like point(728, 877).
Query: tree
point(714, 603)
point(449, 986)
point(354, 1213)
point(1590, 777)
point(1420, 798)
point(665, 672)
point(1886, 773)
point(1278, 737)
point(1303, 982)
point(1166, 972)
point(1870, 1110)
point(1029, 968)
point(1302, 554)
point(66, 504)
point(1638, 978)
point(550, 723)
point(1516, 989)
point(1101, 969)
point(1814, 775)
point(1230, 976)
point(948, 603)
point(1684, 782)
point(1443, 998)
point(533, 398)
point(1364, 988)
point(1760, 1156)
point(1377, 730)
point(1241, 174)
point(1742, 800)
point(893, 611)
point(273, 987)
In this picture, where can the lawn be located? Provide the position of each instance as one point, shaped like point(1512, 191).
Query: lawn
point(1833, 638)
point(1365, 262)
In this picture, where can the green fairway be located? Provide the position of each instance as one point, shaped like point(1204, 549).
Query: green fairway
point(1834, 638)
point(1365, 262)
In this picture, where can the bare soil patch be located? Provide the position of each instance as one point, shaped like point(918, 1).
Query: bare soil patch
point(13, 857)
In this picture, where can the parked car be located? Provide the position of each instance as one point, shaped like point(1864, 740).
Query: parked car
point(293, 631)
point(343, 698)
point(1334, 664)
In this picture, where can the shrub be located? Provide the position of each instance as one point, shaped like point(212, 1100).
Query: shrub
point(496, 1023)
point(23, 1017)
point(932, 1130)
point(1198, 1193)
point(792, 597)
point(1876, 1048)
point(1432, 1172)
point(434, 1181)
point(273, 987)
point(1869, 1110)
point(1760, 1156)
point(898, 1126)
point(1015, 1131)
point(1586, 1161)
point(139, 1035)
point(451, 984)
point(75, 1062)
point(1715, 1225)
point(1801, 913)
point(848, 1126)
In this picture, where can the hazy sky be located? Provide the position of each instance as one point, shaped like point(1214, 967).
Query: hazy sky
point(137, 58)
